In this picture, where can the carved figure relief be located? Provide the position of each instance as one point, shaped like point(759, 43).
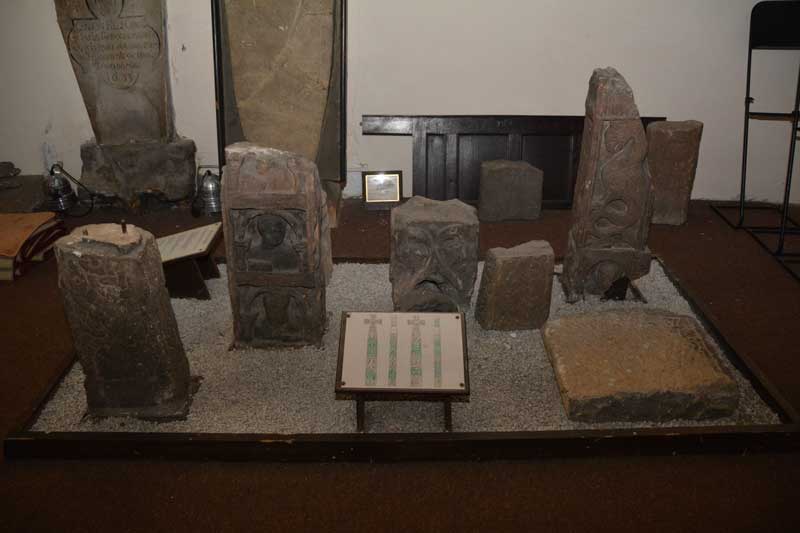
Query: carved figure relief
point(270, 241)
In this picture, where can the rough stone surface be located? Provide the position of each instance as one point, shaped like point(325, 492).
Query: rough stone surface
point(281, 52)
point(509, 190)
point(638, 365)
point(120, 61)
point(672, 154)
point(434, 247)
point(278, 246)
point(125, 332)
point(126, 169)
point(613, 194)
point(516, 287)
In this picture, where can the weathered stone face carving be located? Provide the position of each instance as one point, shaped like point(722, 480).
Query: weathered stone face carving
point(276, 234)
point(613, 200)
point(434, 253)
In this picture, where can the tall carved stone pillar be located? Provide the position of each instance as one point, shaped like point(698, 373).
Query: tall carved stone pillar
point(122, 323)
point(278, 246)
point(613, 194)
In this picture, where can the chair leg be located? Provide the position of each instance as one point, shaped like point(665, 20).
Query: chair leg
point(747, 101)
point(788, 187)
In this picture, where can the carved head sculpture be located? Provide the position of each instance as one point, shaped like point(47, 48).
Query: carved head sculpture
point(272, 230)
point(434, 255)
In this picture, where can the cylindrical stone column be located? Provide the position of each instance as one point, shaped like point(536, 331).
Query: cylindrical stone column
point(123, 327)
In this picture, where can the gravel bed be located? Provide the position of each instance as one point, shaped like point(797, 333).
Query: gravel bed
point(513, 387)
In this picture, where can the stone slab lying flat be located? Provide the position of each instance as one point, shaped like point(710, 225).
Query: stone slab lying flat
point(637, 365)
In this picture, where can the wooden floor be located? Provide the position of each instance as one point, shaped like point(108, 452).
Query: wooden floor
point(752, 301)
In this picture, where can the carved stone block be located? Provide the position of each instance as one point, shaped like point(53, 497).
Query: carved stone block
point(516, 286)
point(509, 190)
point(672, 154)
point(278, 244)
point(613, 194)
point(124, 329)
point(434, 254)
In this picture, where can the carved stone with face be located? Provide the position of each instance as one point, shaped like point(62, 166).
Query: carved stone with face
point(434, 258)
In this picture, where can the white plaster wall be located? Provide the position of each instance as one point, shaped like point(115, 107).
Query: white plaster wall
point(684, 59)
point(41, 102)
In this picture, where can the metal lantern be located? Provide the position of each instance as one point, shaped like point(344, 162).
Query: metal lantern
point(59, 195)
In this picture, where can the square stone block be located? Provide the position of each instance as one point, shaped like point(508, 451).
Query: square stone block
point(633, 365)
point(509, 190)
point(516, 287)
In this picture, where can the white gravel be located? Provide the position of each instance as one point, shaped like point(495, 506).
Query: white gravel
point(257, 391)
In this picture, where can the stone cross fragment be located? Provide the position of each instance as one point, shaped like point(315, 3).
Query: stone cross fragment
point(278, 246)
point(516, 286)
point(393, 352)
point(673, 149)
point(613, 194)
point(434, 255)
point(509, 190)
point(124, 329)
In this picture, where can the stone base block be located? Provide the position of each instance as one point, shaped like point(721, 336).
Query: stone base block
point(638, 365)
point(124, 170)
point(509, 190)
point(515, 287)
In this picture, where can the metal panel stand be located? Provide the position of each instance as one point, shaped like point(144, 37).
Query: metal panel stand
point(773, 26)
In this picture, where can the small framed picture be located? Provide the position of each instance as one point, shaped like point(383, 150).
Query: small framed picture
point(382, 189)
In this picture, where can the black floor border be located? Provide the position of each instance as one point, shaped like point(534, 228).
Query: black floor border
point(353, 447)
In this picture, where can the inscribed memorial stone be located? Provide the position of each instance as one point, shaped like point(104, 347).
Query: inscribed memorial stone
point(117, 50)
point(125, 332)
point(613, 194)
point(278, 245)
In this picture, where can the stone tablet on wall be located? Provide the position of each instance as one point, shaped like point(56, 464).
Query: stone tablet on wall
point(118, 54)
point(281, 53)
point(613, 193)
point(278, 245)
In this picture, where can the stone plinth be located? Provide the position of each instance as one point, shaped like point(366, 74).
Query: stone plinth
point(278, 246)
point(127, 169)
point(434, 253)
point(281, 53)
point(515, 287)
point(118, 54)
point(509, 190)
point(638, 365)
point(672, 154)
point(125, 332)
point(613, 194)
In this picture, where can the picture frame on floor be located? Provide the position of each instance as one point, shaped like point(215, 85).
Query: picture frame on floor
point(382, 189)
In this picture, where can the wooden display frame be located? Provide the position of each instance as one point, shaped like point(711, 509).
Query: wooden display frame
point(25, 444)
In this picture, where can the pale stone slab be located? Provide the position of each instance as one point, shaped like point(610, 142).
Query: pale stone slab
point(516, 287)
point(118, 53)
point(638, 365)
point(125, 332)
point(281, 53)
